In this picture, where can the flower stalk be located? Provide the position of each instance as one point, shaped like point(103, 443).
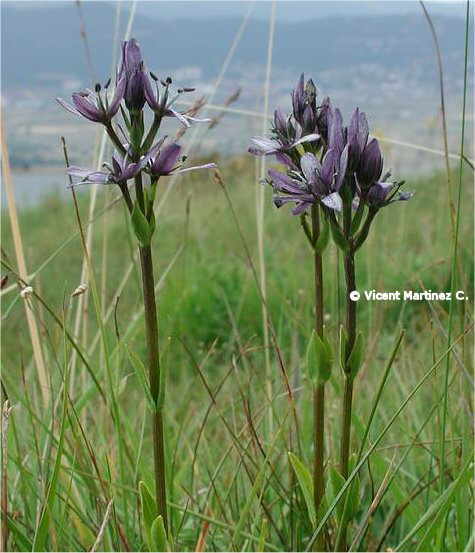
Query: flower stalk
point(151, 331)
point(319, 386)
point(350, 280)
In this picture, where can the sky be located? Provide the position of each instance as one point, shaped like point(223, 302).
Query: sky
point(286, 10)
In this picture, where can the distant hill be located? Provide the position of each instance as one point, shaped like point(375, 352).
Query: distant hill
point(42, 44)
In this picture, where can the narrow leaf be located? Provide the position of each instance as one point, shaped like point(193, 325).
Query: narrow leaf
point(158, 536)
point(306, 485)
point(141, 226)
point(149, 512)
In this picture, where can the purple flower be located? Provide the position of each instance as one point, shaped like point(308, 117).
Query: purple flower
point(132, 69)
point(166, 162)
point(314, 182)
point(323, 118)
point(336, 132)
point(304, 105)
point(298, 99)
point(326, 178)
point(286, 137)
point(95, 106)
point(294, 190)
point(122, 169)
point(357, 137)
point(383, 193)
point(370, 165)
point(162, 107)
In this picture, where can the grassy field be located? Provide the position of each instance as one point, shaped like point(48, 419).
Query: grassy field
point(74, 464)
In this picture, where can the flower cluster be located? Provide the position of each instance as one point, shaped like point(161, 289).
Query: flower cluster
point(326, 163)
point(136, 153)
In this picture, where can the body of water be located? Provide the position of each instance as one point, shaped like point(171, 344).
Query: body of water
point(33, 185)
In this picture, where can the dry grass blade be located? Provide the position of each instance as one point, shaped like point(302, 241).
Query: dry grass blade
point(442, 109)
point(102, 529)
point(260, 197)
point(201, 543)
point(21, 263)
point(374, 505)
point(4, 527)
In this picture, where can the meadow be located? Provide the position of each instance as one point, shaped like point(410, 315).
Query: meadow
point(186, 367)
point(230, 482)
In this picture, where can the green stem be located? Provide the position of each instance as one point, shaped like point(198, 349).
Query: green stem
point(151, 329)
point(346, 409)
point(363, 234)
point(319, 388)
point(453, 272)
point(147, 144)
point(114, 138)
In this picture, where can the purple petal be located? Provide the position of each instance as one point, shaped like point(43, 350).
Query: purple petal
point(298, 99)
point(118, 96)
point(333, 201)
point(284, 183)
point(336, 131)
point(131, 55)
point(205, 166)
point(172, 113)
point(371, 163)
point(196, 119)
point(294, 198)
point(379, 192)
point(87, 175)
point(87, 109)
point(152, 152)
point(301, 207)
point(67, 106)
point(343, 164)
point(166, 159)
point(130, 171)
point(152, 100)
point(285, 160)
point(309, 164)
point(404, 196)
point(117, 164)
point(363, 131)
point(280, 122)
point(307, 138)
point(264, 146)
point(329, 162)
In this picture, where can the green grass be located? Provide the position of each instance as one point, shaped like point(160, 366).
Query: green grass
point(232, 484)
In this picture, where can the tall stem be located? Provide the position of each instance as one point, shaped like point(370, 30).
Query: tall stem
point(151, 329)
point(350, 279)
point(319, 388)
point(351, 337)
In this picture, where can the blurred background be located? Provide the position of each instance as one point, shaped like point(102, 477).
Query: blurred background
point(377, 55)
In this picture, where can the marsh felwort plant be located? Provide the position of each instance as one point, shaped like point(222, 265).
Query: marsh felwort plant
point(143, 158)
point(333, 175)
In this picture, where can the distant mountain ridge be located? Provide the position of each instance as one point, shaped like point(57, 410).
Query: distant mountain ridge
point(42, 45)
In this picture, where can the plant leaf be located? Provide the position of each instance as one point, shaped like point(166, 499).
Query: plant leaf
point(319, 358)
point(141, 226)
point(158, 536)
point(141, 373)
point(306, 485)
point(356, 356)
point(149, 512)
point(323, 239)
